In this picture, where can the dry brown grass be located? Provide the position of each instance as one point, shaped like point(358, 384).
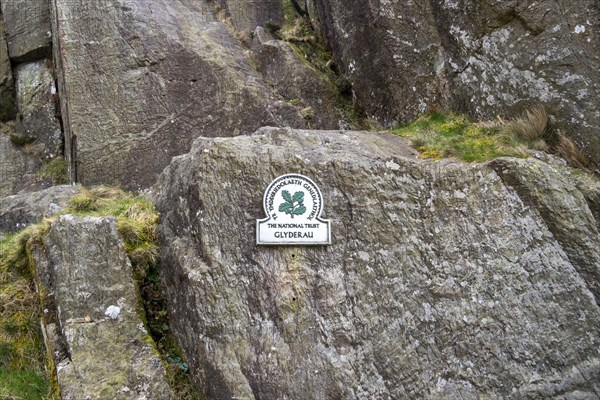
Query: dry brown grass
point(532, 126)
point(575, 157)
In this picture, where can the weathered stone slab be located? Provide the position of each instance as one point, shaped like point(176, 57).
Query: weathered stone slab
point(36, 104)
point(441, 280)
point(140, 80)
point(106, 348)
point(28, 27)
point(21, 210)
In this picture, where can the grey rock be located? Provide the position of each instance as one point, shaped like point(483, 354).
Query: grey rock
point(564, 209)
point(589, 185)
point(109, 355)
point(21, 210)
point(28, 26)
point(441, 282)
point(490, 59)
point(296, 81)
point(7, 89)
point(247, 15)
point(36, 103)
point(19, 167)
point(139, 81)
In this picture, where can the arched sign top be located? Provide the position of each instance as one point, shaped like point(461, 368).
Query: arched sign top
point(293, 205)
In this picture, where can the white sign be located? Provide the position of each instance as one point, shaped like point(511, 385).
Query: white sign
point(293, 205)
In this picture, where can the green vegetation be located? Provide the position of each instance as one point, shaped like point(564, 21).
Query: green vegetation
point(24, 370)
point(56, 170)
point(23, 373)
point(310, 46)
point(438, 135)
point(21, 140)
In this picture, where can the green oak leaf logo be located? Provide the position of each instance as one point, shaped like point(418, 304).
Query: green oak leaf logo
point(293, 205)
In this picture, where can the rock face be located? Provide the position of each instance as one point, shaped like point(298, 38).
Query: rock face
point(444, 280)
point(170, 72)
point(36, 102)
point(297, 82)
point(28, 26)
point(7, 90)
point(19, 211)
point(491, 59)
point(99, 342)
point(247, 15)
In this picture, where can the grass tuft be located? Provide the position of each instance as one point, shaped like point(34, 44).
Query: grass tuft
point(442, 135)
point(56, 170)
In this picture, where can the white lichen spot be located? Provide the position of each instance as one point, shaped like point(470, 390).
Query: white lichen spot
point(352, 67)
point(392, 165)
point(142, 328)
point(113, 312)
point(363, 255)
point(580, 29)
point(458, 194)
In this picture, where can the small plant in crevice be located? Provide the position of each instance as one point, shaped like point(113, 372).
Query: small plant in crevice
point(56, 170)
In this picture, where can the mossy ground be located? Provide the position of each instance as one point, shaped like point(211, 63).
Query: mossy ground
point(442, 135)
point(24, 369)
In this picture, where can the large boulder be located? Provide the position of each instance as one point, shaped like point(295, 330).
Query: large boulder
point(28, 26)
point(404, 58)
point(442, 280)
point(140, 80)
point(93, 330)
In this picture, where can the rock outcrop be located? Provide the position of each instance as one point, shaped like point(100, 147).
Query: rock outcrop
point(297, 82)
point(404, 58)
point(21, 210)
point(444, 280)
point(141, 81)
point(100, 346)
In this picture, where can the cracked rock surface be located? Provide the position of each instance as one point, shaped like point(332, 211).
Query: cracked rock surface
point(139, 81)
point(492, 58)
point(444, 280)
